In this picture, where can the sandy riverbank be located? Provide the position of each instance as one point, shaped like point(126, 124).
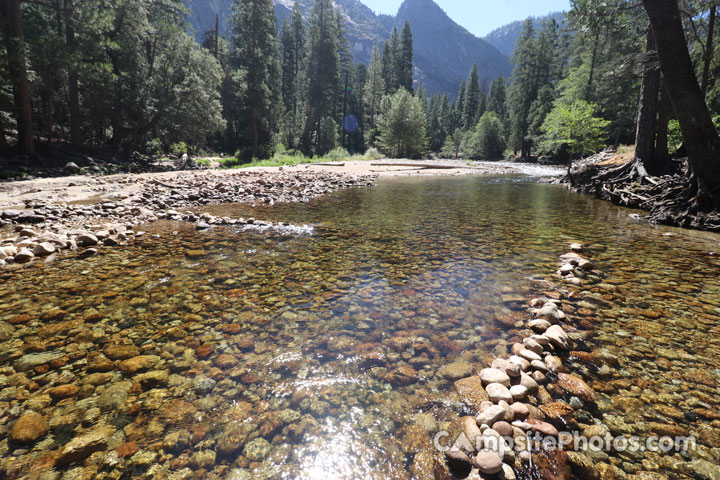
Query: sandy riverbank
point(90, 189)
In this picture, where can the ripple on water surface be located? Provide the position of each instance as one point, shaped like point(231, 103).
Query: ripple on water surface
point(333, 353)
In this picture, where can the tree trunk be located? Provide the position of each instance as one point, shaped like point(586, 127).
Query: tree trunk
point(708, 50)
point(647, 111)
point(73, 90)
point(4, 146)
point(593, 62)
point(701, 137)
point(18, 75)
point(662, 155)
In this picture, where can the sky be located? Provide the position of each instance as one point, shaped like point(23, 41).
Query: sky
point(482, 16)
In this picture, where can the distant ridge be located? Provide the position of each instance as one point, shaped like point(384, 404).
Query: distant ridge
point(444, 51)
point(505, 37)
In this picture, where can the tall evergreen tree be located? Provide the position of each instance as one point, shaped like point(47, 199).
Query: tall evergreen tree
point(523, 89)
point(323, 72)
point(406, 58)
point(472, 100)
point(374, 89)
point(255, 38)
point(388, 67)
point(292, 42)
point(15, 47)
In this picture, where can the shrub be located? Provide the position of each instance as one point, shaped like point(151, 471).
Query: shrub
point(179, 149)
point(373, 153)
point(337, 154)
point(154, 147)
point(488, 140)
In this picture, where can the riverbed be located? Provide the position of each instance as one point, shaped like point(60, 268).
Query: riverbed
point(330, 348)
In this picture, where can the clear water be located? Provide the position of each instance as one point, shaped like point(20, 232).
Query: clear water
point(318, 328)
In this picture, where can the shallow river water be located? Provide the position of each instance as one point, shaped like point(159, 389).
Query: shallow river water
point(330, 351)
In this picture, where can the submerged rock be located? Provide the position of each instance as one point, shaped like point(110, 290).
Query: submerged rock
point(29, 428)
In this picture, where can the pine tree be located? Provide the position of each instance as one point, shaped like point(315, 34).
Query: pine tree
point(255, 38)
point(388, 68)
point(292, 42)
point(323, 72)
point(406, 58)
point(471, 100)
point(374, 89)
point(523, 89)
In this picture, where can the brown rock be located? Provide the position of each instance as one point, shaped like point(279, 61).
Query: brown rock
point(140, 363)
point(127, 450)
point(402, 376)
point(471, 392)
point(204, 351)
point(63, 391)
point(79, 448)
point(121, 352)
point(29, 428)
point(226, 361)
point(576, 386)
point(558, 411)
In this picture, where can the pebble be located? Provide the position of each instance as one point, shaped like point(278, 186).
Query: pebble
point(491, 415)
point(558, 337)
point(458, 461)
point(29, 428)
point(519, 392)
point(576, 386)
point(488, 463)
point(24, 256)
point(511, 369)
point(498, 392)
point(494, 375)
point(87, 240)
point(44, 249)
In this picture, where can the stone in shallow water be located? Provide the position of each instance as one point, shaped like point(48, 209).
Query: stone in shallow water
point(115, 396)
point(85, 445)
point(576, 386)
point(32, 360)
point(498, 392)
point(494, 375)
point(471, 391)
point(29, 428)
point(121, 352)
point(140, 363)
point(558, 337)
point(491, 415)
point(488, 463)
point(458, 461)
point(456, 370)
point(257, 450)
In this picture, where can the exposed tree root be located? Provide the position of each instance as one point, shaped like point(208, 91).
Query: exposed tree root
point(670, 199)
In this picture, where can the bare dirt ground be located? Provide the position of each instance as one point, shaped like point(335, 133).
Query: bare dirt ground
point(90, 189)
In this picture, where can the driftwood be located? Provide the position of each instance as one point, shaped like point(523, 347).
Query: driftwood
point(423, 166)
point(670, 199)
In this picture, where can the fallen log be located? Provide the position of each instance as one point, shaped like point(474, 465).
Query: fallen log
point(424, 166)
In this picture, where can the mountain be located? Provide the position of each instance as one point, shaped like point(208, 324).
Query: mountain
point(444, 51)
point(505, 37)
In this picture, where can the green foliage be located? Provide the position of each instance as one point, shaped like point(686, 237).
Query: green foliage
point(402, 126)
point(488, 140)
point(255, 40)
point(327, 136)
point(453, 144)
point(576, 128)
point(373, 153)
point(179, 149)
point(337, 154)
point(154, 147)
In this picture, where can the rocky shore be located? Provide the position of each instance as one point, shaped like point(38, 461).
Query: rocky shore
point(45, 229)
point(528, 396)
